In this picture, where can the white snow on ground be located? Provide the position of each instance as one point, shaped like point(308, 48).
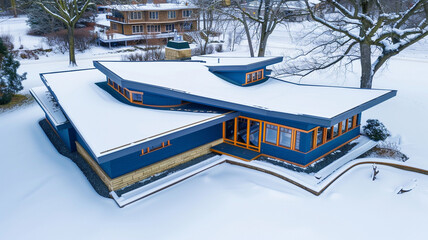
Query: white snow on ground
point(45, 196)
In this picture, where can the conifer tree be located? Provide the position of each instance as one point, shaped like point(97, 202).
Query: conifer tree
point(10, 80)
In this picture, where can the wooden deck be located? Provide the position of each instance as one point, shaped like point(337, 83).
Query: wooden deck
point(235, 151)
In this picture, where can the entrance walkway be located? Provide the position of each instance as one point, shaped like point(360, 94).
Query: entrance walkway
point(234, 151)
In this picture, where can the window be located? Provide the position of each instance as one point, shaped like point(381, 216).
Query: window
point(285, 137)
point(137, 29)
point(320, 137)
point(171, 14)
point(137, 97)
point(153, 28)
point(186, 26)
point(135, 15)
point(271, 133)
point(350, 123)
point(127, 94)
point(187, 13)
point(109, 82)
point(297, 145)
point(120, 89)
point(169, 27)
point(254, 76)
point(155, 147)
point(153, 15)
point(344, 128)
point(335, 130)
point(114, 26)
point(115, 86)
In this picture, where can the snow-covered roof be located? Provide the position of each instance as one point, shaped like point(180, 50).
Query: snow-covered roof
point(48, 104)
point(104, 122)
point(151, 7)
point(192, 80)
point(230, 61)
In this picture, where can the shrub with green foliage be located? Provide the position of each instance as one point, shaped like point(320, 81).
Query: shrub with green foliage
point(375, 130)
point(10, 80)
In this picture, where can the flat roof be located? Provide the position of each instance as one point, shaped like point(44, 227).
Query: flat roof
point(231, 61)
point(192, 81)
point(108, 125)
point(46, 101)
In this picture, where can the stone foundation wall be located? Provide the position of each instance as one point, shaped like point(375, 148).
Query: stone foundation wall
point(142, 173)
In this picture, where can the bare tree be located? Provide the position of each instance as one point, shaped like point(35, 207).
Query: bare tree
point(361, 29)
point(239, 16)
point(268, 14)
point(68, 12)
point(212, 23)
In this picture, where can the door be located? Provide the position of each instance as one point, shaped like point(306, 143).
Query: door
point(243, 132)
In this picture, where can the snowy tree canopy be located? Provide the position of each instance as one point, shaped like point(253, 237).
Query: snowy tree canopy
point(354, 27)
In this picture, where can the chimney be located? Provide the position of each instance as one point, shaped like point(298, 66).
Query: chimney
point(177, 49)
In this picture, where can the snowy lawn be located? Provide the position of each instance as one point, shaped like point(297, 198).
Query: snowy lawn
point(45, 196)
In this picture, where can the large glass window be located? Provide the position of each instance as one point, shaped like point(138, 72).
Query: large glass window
point(137, 97)
point(153, 28)
point(320, 134)
point(344, 126)
point(285, 137)
point(187, 13)
point(154, 15)
point(127, 95)
point(242, 130)
point(350, 123)
point(271, 133)
point(335, 130)
point(171, 14)
point(137, 29)
point(230, 129)
point(135, 15)
point(297, 145)
point(169, 27)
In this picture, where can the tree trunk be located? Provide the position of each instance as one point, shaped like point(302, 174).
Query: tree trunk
point(247, 32)
point(365, 52)
point(13, 3)
point(263, 42)
point(72, 58)
point(366, 66)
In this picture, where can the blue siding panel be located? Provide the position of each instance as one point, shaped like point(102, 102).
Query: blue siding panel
point(134, 161)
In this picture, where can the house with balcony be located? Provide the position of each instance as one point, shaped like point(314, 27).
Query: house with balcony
point(133, 120)
point(156, 20)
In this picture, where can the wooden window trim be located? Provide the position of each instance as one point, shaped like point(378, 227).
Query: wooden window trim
point(148, 150)
point(156, 13)
point(175, 14)
point(186, 10)
point(257, 75)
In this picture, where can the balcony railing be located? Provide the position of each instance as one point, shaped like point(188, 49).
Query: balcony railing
point(118, 19)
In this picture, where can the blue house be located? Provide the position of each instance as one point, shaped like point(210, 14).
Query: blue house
point(131, 120)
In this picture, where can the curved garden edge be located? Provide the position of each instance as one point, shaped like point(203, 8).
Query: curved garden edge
point(330, 180)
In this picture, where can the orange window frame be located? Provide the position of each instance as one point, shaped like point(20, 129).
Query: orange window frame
point(293, 135)
point(235, 132)
point(148, 150)
point(251, 76)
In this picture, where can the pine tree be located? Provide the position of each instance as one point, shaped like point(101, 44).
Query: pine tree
point(10, 80)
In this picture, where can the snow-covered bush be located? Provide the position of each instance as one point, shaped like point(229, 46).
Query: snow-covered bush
point(83, 38)
point(375, 130)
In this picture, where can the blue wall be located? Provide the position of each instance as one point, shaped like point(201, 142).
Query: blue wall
point(306, 154)
point(134, 161)
point(67, 135)
point(238, 77)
